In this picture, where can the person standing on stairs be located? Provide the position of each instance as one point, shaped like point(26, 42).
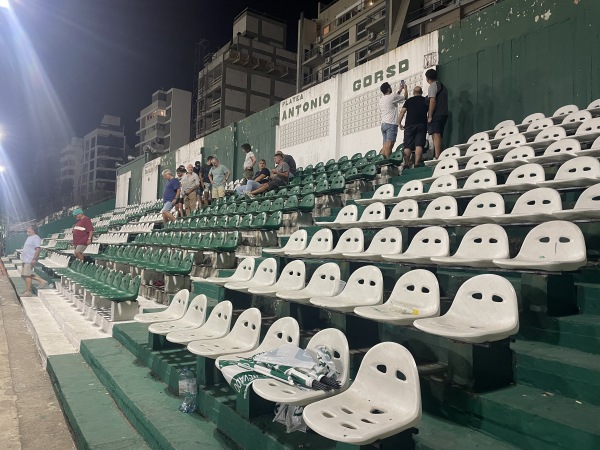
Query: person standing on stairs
point(438, 110)
point(29, 257)
point(388, 106)
point(82, 233)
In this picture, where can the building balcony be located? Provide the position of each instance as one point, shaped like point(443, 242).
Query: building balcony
point(314, 57)
point(376, 22)
point(312, 79)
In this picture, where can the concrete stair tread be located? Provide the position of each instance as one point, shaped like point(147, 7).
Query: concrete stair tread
point(146, 402)
point(437, 434)
point(94, 418)
point(557, 353)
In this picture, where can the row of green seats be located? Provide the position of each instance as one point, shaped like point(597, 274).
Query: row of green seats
point(170, 262)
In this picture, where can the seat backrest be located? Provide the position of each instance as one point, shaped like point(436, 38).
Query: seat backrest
point(322, 241)
point(351, 241)
point(266, 272)
point(134, 286)
point(374, 211)
point(510, 130)
point(444, 167)
point(348, 213)
point(406, 209)
point(411, 188)
point(486, 204)
point(326, 279)
point(580, 167)
point(503, 124)
point(336, 343)
point(589, 199)
point(418, 289)
point(387, 241)
point(220, 316)
point(577, 116)
point(430, 241)
point(365, 284)
point(384, 191)
point(297, 241)
point(551, 133)
point(445, 206)
point(519, 153)
point(283, 331)
point(478, 137)
point(245, 269)
point(478, 147)
point(532, 118)
point(293, 275)
point(480, 161)
point(485, 301)
point(196, 312)
point(277, 205)
point(526, 174)
point(253, 207)
point(589, 126)
point(450, 152)
point(481, 179)
point(563, 146)
point(308, 201)
point(565, 110)
point(556, 240)
point(388, 372)
point(179, 304)
point(246, 221)
point(247, 327)
point(443, 184)
point(488, 241)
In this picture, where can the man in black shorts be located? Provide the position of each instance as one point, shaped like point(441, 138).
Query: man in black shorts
point(438, 109)
point(415, 127)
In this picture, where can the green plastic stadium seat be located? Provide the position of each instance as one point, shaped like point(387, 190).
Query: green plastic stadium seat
point(307, 204)
point(253, 207)
point(307, 189)
point(246, 222)
point(291, 204)
point(371, 154)
point(356, 157)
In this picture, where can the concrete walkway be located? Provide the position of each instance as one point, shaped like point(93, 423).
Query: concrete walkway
point(30, 416)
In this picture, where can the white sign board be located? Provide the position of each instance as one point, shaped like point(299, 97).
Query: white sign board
point(122, 194)
point(189, 153)
point(150, 180)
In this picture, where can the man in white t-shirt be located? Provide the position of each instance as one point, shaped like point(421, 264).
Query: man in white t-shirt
point(249, 162)
point(29, 257)
point(388, 105)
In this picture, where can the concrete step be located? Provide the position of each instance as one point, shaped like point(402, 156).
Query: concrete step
point(559, 370)
point(95, 420)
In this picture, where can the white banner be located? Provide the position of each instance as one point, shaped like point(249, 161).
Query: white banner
point(189, 153)
point(122, 194)
point(150, 180)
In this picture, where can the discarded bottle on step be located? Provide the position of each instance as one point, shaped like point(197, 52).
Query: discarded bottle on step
point(187, 390)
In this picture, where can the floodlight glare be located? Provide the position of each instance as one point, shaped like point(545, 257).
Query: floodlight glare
point(2, 169)
point(4, 4)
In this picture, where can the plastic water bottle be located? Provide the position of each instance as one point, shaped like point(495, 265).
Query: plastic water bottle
point(187, 390)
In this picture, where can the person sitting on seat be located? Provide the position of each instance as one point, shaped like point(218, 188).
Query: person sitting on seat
point(279, 176)
point(260, 177)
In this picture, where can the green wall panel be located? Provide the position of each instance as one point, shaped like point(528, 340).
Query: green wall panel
point(516, 58)
point(222, 144)
point(67, 222)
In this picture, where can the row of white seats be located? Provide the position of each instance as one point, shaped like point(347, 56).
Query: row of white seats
point(580, 171)
point(92, 249)
point(551, 246)
point(51, 243)
point(387, 376)
point(113, 238)
point(137, 227)
point(535, 205)
point(55, 261)
point(154, 217)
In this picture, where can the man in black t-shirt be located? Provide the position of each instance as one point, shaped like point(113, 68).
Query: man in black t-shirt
point(415, 126)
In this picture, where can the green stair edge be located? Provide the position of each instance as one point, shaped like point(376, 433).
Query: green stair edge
point(95, 420)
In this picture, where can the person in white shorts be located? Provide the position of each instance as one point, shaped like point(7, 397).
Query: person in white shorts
point(29, 257)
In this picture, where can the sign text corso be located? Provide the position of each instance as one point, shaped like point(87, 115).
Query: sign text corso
point(380, 75)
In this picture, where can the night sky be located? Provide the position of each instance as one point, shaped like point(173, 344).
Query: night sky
point(66, 63)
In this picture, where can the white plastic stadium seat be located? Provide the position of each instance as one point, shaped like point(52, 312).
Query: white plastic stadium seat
point(536, 205)
point(297, 241)
point(283, 331)
point(535, 127)
point(475, 149)
point(324, 281)
point(193, 318)
point(577, 172)
point(523, 178)
point(558, 151)
point(175, 311)
point(484, 309)
point(244, 337)
point(216, 326)
point(408, 190)
point(588, 130)
point(480, 209)
point(337, 344)
point(440, 185)
point(416, 295)
point(594, 107)
point(322, 241)
point(514, 158)
point(564, 111)
point(292, 278)
point(265, 275)
point(375, 211)
point(436, 212)
point(387, 241)
point(553, 246)
point(586, 207)
point(548, 135)
point(344, 219)
point(431, 241)
point(243, 272)
point(478, 248)
point(594, 149)
point(573, 120)
point(532, 118)
point(443, 167)
point(384, 399)
point(351, 241)
point(501, 133)
point(510, 142)
point(482, 180)
point(385, 191)
point(406, 209)
point(363, 288)
point(475, 163)
point(450, 152)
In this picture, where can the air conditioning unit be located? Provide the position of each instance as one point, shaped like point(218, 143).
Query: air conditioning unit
point(328, 60)
point(319, 39)
point(371, 36)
